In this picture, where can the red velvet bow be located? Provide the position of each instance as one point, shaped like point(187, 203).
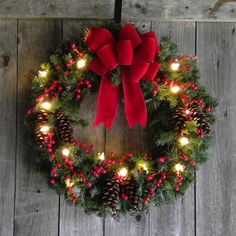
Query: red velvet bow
point(136, 54)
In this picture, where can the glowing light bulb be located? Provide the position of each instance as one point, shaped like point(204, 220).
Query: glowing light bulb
point(175, 66)
point(183, 141)
point(81, 63)
point(101, 156)
point(43, 73)
point(143, 166)
point(179, 167)
point(45, 129)
point(175, 89)
point(123, 172)
point(46, 105)
point(187, 111)
point(66, 152)
point(69, 182)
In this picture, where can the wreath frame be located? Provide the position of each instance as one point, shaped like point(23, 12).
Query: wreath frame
point(177, 139)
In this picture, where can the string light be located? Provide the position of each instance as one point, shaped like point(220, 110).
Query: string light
point(175, 89)
point(183, 141)
point(46, 105)
point(43, 73)
point(175, 66)
point(101, 156)
point(179, 167)
point(81, 63)
point(123, 172)
point(143, 166)
point(69, 183)
point(187, 111)
point(65, 152)
point(45, 129)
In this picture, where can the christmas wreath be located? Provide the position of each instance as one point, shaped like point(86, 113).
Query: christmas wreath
point(161, 91)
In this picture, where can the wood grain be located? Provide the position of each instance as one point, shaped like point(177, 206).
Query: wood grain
point(36, 205)
point(176, 10)
point(178, 218)
point(216, 181)
point(120, 139)
point(73, 220)
point(57, 8)
point(8, 78)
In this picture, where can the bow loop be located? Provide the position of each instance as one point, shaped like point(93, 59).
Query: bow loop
point(108, 57)
point(124, 51)
point(128, 32)
point(97, 38)
point(136, 56)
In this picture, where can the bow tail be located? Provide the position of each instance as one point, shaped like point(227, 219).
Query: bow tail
point(135, 107)
point(107, 102)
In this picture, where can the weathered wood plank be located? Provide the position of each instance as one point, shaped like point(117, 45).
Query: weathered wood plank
point(36, 205)
point(120, 139)
point(216, 181)
point(8, 78)
point(176, 219)
point(184, 9)
point(57, 8)
point(73, 220)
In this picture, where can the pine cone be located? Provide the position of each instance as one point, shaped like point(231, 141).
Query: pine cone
point(131, 190)
point(110, 194)
point(201, 119)
point(64, 127)
point(41, 120)
point(179, 118)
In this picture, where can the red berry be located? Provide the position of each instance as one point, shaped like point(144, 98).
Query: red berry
point(201, 136)
point(89, 184)
point(83, 180)
point(124, 197)
point(198, 131)
point(151, 189)
point(78, 96)
point(72, 201)
point(208, 109)
point(161, 159)
point(185, 158)
point(58, 165)
point(192, 163)
point(146, 199)
point(74, 174)
point(73, 194)
point(179, 183)
point(52, 156)
point(176, 188)
point(71, 167)
point(69, 189)
point(52, 181)
point(163, 175)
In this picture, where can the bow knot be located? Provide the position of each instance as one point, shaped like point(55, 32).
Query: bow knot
point(136, 55)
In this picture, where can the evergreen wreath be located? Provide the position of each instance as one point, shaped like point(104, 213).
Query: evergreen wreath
point(179, 111)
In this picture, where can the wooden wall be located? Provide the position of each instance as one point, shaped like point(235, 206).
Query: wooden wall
point(28, 207)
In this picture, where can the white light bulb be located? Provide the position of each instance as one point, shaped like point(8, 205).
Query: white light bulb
point(175, 89)
point(187, 111)
point(43, 73)
point(81, 63)
point(45, 129)
point(174, 66)
point(183, 141)
point(46, 105)
point(123, 172)
point(69, 183)
point(101, 156)
point(179, 167)
point(66, 152)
